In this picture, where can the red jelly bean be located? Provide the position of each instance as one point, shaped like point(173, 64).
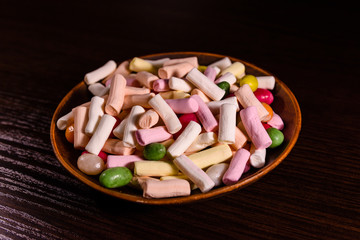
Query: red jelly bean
point(264, 95)
point(266, 126)
point(184, 120)
point(102, 155)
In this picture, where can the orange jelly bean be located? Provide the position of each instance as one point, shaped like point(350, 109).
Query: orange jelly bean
point(269, 109)
point(69, 133)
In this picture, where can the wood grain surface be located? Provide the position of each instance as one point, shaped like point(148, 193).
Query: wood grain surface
point(46, 47)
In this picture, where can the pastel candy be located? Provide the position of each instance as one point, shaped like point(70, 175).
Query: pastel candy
point(152, 135)
point(205, 116)
point(122, 161)
point(236, 167)
point(166, 188)
point(161, 85)
point(183, 106)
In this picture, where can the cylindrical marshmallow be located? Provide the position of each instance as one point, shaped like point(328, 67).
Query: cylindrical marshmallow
point(214, 106)
point(183, 106)
point(141, 100)
point(216, 172)
point(155, 168)
point(116, 146)
point(119, 130)
point(210, 73)
point(185, 139)
point(152, 135)
point(236, 167)
point(197, 91)
point(146, 79)
point(129, 90)
point(80, 120)
point(177, 70)
point(205, 84)
point(170, 119)
point(95, 113)
point(227, 123)
point(227, 77)
point(204, 115)
point(161, 85)
point(122, 161)
point(202, 141)
point(194, 173)
point(222, 63)
point(240, 139)
point(180, 84)
point(257, 133)
point(267, 82)
point(101, 134)
point(257, 157)
point(97, 89)
point(247, 98)
point(276, 122)
point(212, 156)
point(100, 73)
point(131, 125)
point(64, 121)
point(115, 100)
point(158, 63)
point(237, 68)
point(148, 119)
point(166, 188)
point(192, 60)
point(138, 65)
point(122, 69)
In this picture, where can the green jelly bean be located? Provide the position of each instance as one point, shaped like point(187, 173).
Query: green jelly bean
point(277, 137)
point(224, 86)
point(115, 177)
point(154, 151)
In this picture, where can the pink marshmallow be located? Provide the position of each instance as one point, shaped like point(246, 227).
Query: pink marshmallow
point(276, 122)
point(152, 135)
point(204, 114)
point(254, 128)
point(122, 161)
point(210, 72)
point(236, 167)
point(183, 105)
point(166, 188)
point(161, 85)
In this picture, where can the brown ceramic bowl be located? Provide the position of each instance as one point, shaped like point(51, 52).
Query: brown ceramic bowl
point(285, 104)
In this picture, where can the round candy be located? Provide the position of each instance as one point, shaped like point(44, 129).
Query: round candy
point(90, 164)
point(269, 109)
point(202, 68)
point(264, 95)
point(101, 154)
point(154, 151)
point(115, 177)
point(250, 80)
point(69, 133)
point(277, 137)
point(224, 86)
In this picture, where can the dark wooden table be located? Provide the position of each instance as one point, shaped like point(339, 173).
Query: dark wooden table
point(46, 47)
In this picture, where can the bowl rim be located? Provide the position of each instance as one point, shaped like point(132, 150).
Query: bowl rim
point(217, 192)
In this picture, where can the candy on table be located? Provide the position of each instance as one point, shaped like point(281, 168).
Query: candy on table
point(208, 87)
point(276, 122)
point(65, 120)
point(227, 77)
point(177, 70)
point(185, 119)
point(180, 84)
point(254, 128)
point(122, 68)
point(146, 78)
point(210, 73)
point(115, 100)
point(270, 111)
point(222, 63)
point(100, 73)
point(277, 137)
point(249, 80)
point(122, 161)
point(227, 123)
point(214, 106)
point(183, 106)
point(205, 116)
point(185, 139)
point(95, 113)
point(194, 173)
point(198, 92)
point(98, 89)
point(69, 133)
point(202, 141)
point(148, 119)
point(216, 172)
point(240, 139)
point(90, 164)
point(161, 85)
point(158, 62)
point(247, 98)
point(170, 119)
point(129, 90)
point(264, 95)
point(236, 167)
point(267, 82)
point(116, 146)
point(101, 154)
point(129, 138)
point(155, 168)
point(236, 68)
point(118, 131)
point(115, 177)
point(80, 119)
point(154, 151)
point(166, 188)
point(191, 60)
point(257, 156)
point(138, 65)
point(211, 156)
point(182, 176)
point(101, 134)
point(152, 135)
point(140, 99)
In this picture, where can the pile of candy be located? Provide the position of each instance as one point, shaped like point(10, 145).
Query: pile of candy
point(169, 126)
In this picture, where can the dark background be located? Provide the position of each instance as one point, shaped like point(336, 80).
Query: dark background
point(46, 47)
